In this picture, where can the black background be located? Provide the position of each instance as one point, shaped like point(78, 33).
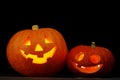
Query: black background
point(100, 27)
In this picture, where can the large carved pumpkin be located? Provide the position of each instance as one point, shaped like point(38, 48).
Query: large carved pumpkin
point(37, 52)
point(90, 61)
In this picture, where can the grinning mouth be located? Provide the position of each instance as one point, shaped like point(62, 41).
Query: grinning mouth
point(89, 70)
point(38, 60)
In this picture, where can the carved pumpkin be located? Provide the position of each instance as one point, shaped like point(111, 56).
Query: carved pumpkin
point(37, 52)
point(90, 61)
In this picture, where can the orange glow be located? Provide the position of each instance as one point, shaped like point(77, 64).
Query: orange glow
point(79, 56)
point(27, 43)
point(47, 40)
point(95, 59)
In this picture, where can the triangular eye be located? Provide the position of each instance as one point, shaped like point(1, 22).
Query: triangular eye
point(27, 43)
point(47, 40)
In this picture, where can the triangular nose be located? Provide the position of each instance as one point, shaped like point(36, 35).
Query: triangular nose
point(38, 48)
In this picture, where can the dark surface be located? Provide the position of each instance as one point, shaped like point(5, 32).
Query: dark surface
point(44, 78)
point(76, 30)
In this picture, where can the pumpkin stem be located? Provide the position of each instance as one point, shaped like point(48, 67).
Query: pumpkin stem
point(35, 27)
point(93, 44)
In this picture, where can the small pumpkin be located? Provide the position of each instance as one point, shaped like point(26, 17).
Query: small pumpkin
point(84, 60)
point(37, 52)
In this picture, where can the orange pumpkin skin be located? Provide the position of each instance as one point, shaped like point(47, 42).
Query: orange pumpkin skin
point(88, 61)
point(47, 45)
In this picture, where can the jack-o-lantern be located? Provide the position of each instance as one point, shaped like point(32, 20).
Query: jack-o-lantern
point(37, 52)
point(90, 61)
